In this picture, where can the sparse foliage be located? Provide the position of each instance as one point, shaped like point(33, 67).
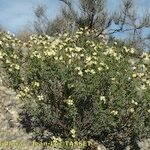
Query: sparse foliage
point(94, 15)
point(41, 21)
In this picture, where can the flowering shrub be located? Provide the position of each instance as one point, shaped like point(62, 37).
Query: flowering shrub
point(79, 88)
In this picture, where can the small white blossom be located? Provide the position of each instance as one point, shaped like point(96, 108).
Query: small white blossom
point(1, 55)
point(134, 102)
point(17, 67)
point(37, 84)
point(1, 42)
point(102, 98)
point(80, 73)
point(40, 97)
point(72, 131)
point(114, 112)
point(131, 110)
point(69, 101)
point(26, 89)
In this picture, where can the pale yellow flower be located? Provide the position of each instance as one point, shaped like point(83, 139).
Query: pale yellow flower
point(82, 55)
point(56, 58)
point(40, 97)
point(134, 75)
point(60, 58)
point(87, 70)
point(70, 49)
point(146, 59)
point(7, 45)
point(114, 112)
point(10, 69)
point(140, 74)
point(59, 139)
point(39, 56)
point(60, 46)
point(69, 61)
point(143, 67)
point(17, 67)
point(77, 68)
point(37, 84)
point(1, 55)
point(86, 28)
point(113, 79)
point(79, 32)
point(134, 102)
point(134, 67)
point(73, 135)
point(132, 50)
point(88, 58)
point(67, 39)
point(102, 64)
point(77, 36)
point(65, 34)
point(118, 57)
point(87, 32)
point(148, 82)
point(92, 71)
point(106, 67)
point(69, 101)
point(73, 54)
point(80, 73)
point(102, 98)
point(126, 49)
point(94, 53)
point(100, 68)
point(72, 131)
point(131, 110)
point(56, 139)
point(115, 43)
point(143, 87)
point(15, 56)
point(26, 89)
point(78, 49)
point(22, 93)
point(115, 54)
point(18, 96)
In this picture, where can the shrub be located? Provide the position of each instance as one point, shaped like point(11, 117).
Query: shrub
point(80, 88)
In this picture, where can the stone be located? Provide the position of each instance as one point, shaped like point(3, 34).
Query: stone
point(15, 115)
point(144, 144)
point(10, 92)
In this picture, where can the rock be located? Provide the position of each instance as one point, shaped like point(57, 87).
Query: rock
point(3, 89)
point(10, 92)
point(101, 147)
point(14, 115)
point(144, 144)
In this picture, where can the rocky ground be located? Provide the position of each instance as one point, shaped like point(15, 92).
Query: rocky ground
point(12, 135)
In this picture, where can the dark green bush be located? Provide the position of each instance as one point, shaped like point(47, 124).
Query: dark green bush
point(78, 88)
